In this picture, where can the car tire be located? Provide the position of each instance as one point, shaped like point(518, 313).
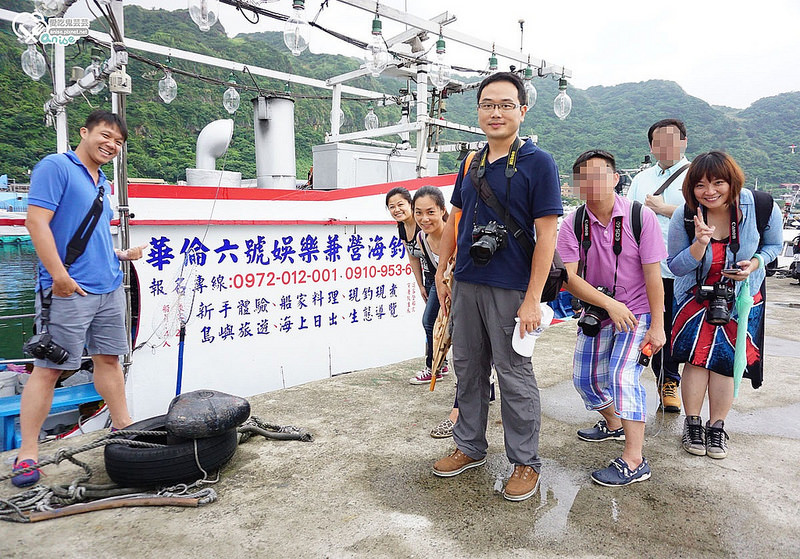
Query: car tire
point(132, 466)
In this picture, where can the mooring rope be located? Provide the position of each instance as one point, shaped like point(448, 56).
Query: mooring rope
point(43, 498)
point(255, 426)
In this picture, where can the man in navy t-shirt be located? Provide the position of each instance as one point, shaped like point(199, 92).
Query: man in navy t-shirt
point(87, 301)
point(489, 296)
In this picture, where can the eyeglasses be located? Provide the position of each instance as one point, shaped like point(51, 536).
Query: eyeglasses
point(504, 107)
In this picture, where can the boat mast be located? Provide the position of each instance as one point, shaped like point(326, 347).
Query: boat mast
point(119, 106)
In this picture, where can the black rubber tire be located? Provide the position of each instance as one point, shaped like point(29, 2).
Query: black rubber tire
point(149, 467)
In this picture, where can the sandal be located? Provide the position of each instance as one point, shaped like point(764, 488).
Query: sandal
point(443, 430)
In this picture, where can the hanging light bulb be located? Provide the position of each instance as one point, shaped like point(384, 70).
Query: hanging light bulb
point(377, 54)
point(94, 68)
point(341, 117)
point(204, 13)
point(230, 99)
point(167, 88)
point(371, 120)
point(297, 30)
point(530, 91)
point(48, 8)
point(562, 105)
point(439, 72)
point(33, 63)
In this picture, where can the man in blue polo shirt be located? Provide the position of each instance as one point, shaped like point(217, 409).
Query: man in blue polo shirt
point(88, 301)
point(668, 142)
point(489, 296)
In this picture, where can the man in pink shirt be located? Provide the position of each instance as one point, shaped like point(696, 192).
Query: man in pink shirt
point(617, 276)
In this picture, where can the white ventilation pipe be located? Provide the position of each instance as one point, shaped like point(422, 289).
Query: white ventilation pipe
point(213, 142)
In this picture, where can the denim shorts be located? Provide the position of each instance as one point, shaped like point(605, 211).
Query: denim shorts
point(96, 322)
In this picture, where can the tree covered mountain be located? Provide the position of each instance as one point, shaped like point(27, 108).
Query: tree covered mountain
point(162, 137)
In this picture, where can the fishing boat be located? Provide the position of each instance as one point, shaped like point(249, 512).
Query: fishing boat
point(12, 228)
point(248, 286)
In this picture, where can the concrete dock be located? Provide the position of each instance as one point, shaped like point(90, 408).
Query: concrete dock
point(364, 486)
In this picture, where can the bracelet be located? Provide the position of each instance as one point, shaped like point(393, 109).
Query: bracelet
point(760, 260)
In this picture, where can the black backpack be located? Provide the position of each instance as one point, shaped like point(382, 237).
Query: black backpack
point(764, 204)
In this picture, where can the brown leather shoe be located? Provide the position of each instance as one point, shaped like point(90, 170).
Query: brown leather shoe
point(522, 484)
point(669, 397)
point(455, 464)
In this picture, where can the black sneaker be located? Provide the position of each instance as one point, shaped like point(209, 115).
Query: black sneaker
point(601, 432)
point(694, 436)
point(716, 440)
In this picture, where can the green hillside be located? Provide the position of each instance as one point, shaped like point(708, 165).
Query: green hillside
point(163, 137)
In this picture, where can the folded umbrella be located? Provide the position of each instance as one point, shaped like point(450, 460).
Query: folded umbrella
point(441, 328)
point(744, 302)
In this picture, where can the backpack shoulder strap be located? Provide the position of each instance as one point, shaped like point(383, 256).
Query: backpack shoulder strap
point(636, 220)
point(577, 224)
point(764, 203)
point(467, 162)
point(688, 223)
point(424, 246)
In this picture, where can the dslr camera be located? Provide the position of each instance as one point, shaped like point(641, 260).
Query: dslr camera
point(486, 240)
point(593, 315)
point(720, 296)
point(42, 346)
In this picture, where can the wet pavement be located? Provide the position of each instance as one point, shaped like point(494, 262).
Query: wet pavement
point(364, 487)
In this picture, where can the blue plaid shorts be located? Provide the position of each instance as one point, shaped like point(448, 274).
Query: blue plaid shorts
point(605, 370)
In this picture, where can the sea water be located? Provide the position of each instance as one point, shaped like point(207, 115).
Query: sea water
point(17, 280)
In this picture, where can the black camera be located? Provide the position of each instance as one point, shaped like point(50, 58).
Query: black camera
point(593, 315)
point(720, 296)
point(42, 346)
point(486, 240)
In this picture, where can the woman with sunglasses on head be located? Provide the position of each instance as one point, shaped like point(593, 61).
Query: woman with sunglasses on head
point(715, 251)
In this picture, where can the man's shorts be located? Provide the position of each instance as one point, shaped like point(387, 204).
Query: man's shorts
point(94, 321)
point(606, 371)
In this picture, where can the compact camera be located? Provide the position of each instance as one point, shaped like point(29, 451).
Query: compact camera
point(720, 296)
point(593, 315)
point(42, 346)
point(486, 240)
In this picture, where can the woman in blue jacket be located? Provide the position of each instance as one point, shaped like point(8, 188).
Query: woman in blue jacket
point(725, 253)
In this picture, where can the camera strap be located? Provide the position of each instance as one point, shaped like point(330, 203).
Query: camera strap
point(733, 240)
point(485, 193)
point(75, 247)
point(81, 237)
point(585, 240)
point(670, 180)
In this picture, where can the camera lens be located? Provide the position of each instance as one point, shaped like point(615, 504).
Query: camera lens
point(590, 325)
point(482, 250)
point(57, 354)
point(718, 313)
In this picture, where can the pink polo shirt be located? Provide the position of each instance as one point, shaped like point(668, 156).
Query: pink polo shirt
point(601, 260)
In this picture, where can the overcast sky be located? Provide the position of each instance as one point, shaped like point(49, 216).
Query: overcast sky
point(726, 52)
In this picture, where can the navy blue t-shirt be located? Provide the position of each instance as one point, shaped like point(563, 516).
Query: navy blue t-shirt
point(535, 192)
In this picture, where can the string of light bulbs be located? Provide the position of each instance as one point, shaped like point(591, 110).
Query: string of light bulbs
point(296, 38)
point(205, 13)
